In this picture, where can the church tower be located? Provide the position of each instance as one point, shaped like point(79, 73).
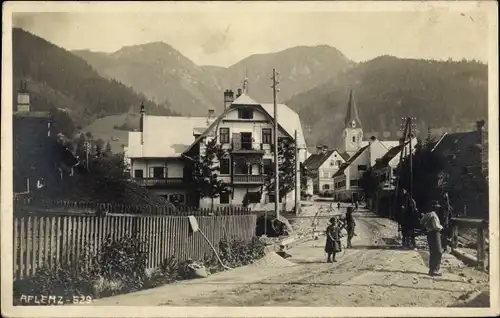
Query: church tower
point(353, 132)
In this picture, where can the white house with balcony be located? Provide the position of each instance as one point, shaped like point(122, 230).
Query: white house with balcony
point(161, 152)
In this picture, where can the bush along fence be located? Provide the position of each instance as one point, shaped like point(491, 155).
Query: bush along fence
point(51, 242)
point(28, 206)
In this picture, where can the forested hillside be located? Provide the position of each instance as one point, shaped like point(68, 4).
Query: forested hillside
point(58, 79)
point(449, 95)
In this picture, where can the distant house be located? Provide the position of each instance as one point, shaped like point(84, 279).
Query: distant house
point(322, 166)
point(385, 166)
point(38, 158)
point(161, 153)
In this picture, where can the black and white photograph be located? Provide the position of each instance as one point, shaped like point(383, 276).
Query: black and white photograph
point(252, 158)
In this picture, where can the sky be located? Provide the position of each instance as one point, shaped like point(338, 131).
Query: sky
point(224, 34)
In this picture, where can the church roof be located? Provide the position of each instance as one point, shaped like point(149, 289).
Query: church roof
point(352, 113)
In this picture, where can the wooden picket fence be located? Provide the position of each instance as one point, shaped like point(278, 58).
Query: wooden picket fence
point(56, 241)
point(24, 205)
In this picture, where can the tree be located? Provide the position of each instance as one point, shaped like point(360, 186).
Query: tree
point(427, 177)
point(369, 184)
point(99, 145)
point(206, 168)
point(286, 172)
point(108, 151)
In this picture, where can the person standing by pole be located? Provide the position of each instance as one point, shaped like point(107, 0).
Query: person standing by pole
point(350, 226)
point(430, 221)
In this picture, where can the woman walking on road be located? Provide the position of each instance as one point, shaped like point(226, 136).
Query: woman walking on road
point(333, 235)
point(430, 220)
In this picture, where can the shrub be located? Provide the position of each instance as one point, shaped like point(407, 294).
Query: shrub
point(123, 260)
point(239, 253)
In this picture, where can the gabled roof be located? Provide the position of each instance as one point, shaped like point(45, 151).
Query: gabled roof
point(463, 147)
point(244, 99)
point(351, 160)
point(344, 155)
point(352, 113)
point(216, 122)
point(288, 119)
point(315, 161)
point(384, 161)
point(164, 136)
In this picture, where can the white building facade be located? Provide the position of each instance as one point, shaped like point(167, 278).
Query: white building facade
point(161, 153)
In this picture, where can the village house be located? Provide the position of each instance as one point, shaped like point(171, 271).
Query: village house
point(322, 166)
point(362, 156)
point(386, 165)
point(162, 151)
point(464, 155)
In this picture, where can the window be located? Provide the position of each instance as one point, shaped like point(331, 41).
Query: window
point(326, 187)
point(225, 197)
point(138, 173)
point(353, 139)
point(326, 174)
point(354, 183)
point(224, 135)
point(338, 162)
point(361, 167)
point(225, 166)
point(245, 113)
point(268, 167)
point(157, 172)
point(266, 136)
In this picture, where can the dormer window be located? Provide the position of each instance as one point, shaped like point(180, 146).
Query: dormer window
point(245, 113)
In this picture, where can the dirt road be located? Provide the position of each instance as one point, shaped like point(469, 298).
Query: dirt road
point(373, 273)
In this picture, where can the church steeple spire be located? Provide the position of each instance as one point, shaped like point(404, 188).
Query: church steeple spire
point(352, 117)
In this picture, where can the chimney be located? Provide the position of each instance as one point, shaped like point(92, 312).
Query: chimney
point(141, 122)
point(23, 98)
point(319, 149)
point(239, 93)
point(228, 98)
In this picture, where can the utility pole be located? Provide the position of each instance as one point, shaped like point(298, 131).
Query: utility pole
point(410, 186)
point(276, 166)
point(297, 175)
point(411, 131)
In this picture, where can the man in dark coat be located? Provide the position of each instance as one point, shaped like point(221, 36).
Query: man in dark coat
point(350, 226)
point(430, 221)
point(333, 235)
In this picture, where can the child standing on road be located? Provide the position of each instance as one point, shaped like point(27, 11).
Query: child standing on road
point(333, 235)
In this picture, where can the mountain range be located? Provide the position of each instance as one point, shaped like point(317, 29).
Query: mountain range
point(58, 79)
point(314, 80)
point(161, 72)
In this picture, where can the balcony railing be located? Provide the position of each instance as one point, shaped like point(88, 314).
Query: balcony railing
point(244, 146)
point(159, 182)
point(248, 179)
